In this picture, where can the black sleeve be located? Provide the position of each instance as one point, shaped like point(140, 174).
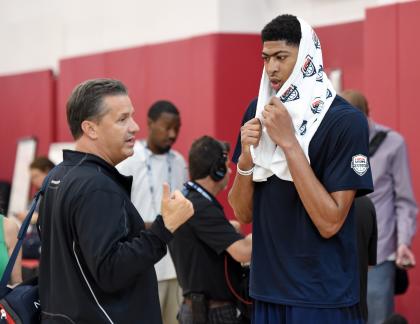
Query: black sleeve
point(213, 229)
point(102, 228)
point(348, 166)
point(373, 238)
point(249, 114)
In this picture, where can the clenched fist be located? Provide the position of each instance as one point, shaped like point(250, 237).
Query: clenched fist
point(250, 134)
point(278, 123)
point(175, 208)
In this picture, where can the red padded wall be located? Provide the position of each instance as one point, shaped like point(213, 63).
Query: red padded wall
point(26, 108)
point(181, 71)
point(391, 74)
point(238, 67)
point(342, 48)
point(380, 64)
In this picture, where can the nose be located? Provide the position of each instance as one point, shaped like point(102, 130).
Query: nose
point(134, 127)
point(271, 66)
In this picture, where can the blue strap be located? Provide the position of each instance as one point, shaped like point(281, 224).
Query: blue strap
point(21, 235)
point(192, 185)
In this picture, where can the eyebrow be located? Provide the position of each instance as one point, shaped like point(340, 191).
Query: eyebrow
point(124, 114)
point(276, 53)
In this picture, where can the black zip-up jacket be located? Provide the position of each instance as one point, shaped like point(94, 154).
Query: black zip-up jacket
point(97, 260)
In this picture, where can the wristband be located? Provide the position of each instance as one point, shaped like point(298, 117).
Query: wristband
point(244, 172)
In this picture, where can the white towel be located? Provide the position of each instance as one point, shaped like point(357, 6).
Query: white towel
point(307, 95)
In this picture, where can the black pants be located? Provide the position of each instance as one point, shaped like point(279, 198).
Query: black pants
point(220, 315)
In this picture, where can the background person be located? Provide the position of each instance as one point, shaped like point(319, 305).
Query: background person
point(396, 211)
point(153, 163)
point(97, 261)
point(200, 246)
point(367, 242)
point(8, 239)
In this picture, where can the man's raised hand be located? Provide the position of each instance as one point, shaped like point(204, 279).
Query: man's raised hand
point(175, 208)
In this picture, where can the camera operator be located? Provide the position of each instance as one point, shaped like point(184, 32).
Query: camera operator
point(202, 245)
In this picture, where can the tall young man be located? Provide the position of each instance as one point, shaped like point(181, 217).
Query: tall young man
point(301, 159)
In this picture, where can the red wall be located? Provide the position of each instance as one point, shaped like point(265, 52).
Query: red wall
point(181, 71)
point(27, 109)
point(381, 65)
point(391, 78)
point(343, 48)
point(238, 72)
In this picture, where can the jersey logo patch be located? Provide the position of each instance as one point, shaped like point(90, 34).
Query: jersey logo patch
point(359, 163)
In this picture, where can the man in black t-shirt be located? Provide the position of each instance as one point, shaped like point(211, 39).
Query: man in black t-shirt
point(200, 247)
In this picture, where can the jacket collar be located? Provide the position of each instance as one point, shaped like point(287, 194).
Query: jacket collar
point(83, 158)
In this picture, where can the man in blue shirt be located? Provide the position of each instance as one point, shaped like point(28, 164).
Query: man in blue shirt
point(301, 159)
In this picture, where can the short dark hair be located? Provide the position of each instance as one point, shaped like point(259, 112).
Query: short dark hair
point(160, 107)
point(203, 153)
point(85, 102)
point(283, 27)
point(42, 163)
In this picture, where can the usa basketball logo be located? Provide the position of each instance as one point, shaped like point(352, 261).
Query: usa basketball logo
point(308, 67)
point(317, 105)
point(329, 94)
point(302, 128)
point(316, 40)
point(290, 94)
point(320, 74)
point(359, 163)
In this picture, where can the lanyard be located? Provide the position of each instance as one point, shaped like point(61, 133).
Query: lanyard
point(201, 191)
point(148, 154)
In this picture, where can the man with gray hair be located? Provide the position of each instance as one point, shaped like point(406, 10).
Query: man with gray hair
point(97, 262)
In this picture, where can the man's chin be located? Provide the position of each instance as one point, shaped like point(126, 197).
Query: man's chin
point(163, 150)
point(127, 153)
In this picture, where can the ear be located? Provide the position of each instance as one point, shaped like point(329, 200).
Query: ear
point(89, 128)
point(149, 122)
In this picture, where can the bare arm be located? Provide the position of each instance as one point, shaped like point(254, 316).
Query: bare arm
point(241, 249)
point(242, 191)
point(328, 211)
point(11, 230)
